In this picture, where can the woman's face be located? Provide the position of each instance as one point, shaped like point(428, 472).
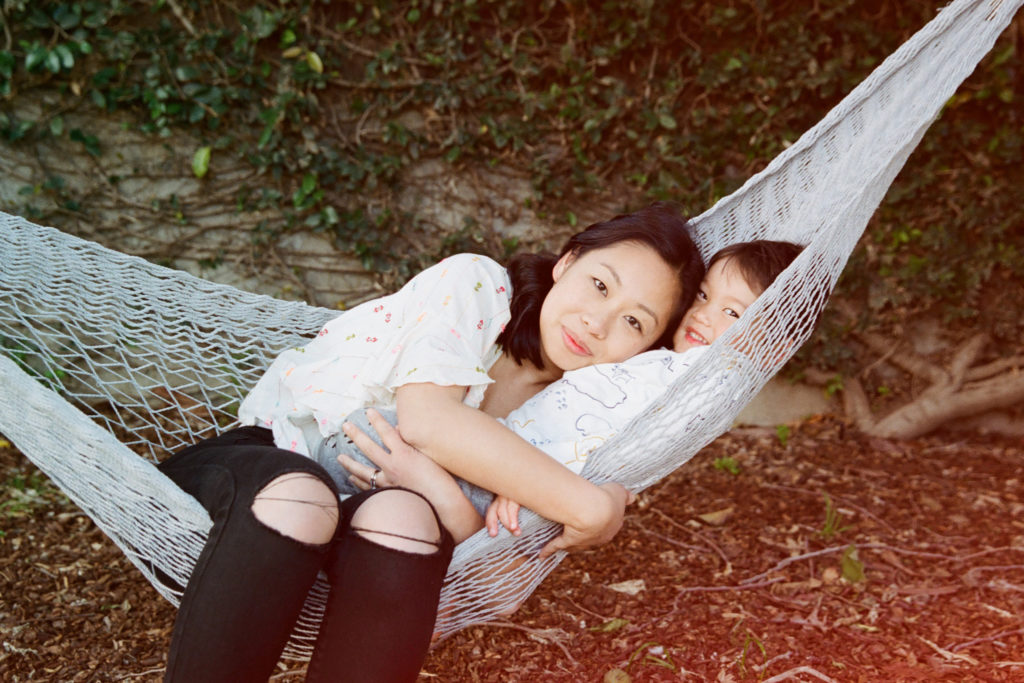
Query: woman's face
point(606, 306)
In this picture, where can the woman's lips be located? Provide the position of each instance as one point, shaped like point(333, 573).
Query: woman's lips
point(573, 344)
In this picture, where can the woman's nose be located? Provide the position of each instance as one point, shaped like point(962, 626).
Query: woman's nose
point(596, 323)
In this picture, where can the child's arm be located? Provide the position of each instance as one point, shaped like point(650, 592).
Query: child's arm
point(476, 447)
point(504, 511)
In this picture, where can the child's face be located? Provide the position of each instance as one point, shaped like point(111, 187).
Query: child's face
point(722, 298)
point(605, 306)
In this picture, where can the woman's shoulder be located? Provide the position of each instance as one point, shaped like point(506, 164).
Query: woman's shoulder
point(481, 274)
point(472, 262)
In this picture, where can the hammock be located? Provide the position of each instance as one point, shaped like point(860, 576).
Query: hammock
point(107, 356)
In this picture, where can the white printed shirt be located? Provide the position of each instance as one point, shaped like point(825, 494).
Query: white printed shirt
point(572, 416)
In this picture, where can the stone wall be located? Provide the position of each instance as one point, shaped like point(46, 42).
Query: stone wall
point(139, 196)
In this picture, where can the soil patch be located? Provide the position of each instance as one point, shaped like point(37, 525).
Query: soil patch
point(817, 554)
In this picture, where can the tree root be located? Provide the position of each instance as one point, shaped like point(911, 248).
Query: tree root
point(958, 390)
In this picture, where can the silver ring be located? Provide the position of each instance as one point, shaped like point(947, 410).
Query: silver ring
point(373, 479)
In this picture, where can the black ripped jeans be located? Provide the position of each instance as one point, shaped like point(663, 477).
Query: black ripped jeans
point(250, 581)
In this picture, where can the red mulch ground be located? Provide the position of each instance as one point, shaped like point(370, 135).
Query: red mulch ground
point(758, 591)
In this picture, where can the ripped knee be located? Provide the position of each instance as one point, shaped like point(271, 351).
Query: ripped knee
point(300, 506)
point(399, 519)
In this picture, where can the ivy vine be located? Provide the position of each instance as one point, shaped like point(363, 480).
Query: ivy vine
point(333, 101)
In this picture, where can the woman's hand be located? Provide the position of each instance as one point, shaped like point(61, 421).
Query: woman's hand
point(504, 511)
point(403, 465)
point(600, 529)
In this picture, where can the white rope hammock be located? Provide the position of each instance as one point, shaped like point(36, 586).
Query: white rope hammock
point(107, 356)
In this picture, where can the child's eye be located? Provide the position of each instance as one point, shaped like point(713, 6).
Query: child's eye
point(701, 295)
point(601, 287)
point(731, 313)
point(634, 323)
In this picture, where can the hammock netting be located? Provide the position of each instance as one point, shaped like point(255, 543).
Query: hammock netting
point(110, 362)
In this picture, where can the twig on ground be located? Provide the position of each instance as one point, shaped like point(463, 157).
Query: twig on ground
point(719, 589)
point(971, 576)
point(702, 537)
point(784, 655)
point(584, 609)
point(786, 675)
point(546, 635)
point(157, 670)
point(837, 499)
point(1000, 549)
point(976, 641)
point(668, 539)
point(836, 549)
point(947, 655)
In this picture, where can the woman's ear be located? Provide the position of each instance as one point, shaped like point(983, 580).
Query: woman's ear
point(562, 264)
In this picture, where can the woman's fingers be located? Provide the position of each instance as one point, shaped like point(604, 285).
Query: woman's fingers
point(554, 545)
point(362, 475)
point(387, 432)
point(568, 541)
point(576, 539)
point(363, 442)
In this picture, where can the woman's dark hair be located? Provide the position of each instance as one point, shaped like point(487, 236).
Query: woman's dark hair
point(659, 226)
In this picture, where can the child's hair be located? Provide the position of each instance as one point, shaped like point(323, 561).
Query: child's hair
point(659, 226)
point(759, 261)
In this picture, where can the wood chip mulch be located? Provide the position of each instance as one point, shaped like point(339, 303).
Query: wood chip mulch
point(809, 554)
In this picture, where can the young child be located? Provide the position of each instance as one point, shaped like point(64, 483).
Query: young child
point(581, 411)
point(587, 406)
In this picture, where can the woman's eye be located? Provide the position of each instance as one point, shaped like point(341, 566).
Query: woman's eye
point(633, 322)
point(601, 287)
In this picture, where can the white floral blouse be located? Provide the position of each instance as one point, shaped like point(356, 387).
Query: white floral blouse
point(441, 327)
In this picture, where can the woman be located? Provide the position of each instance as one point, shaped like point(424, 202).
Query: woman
point(614, 291)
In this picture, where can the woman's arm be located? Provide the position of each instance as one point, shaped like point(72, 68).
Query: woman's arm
point(403, 465)
point(476, 447)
